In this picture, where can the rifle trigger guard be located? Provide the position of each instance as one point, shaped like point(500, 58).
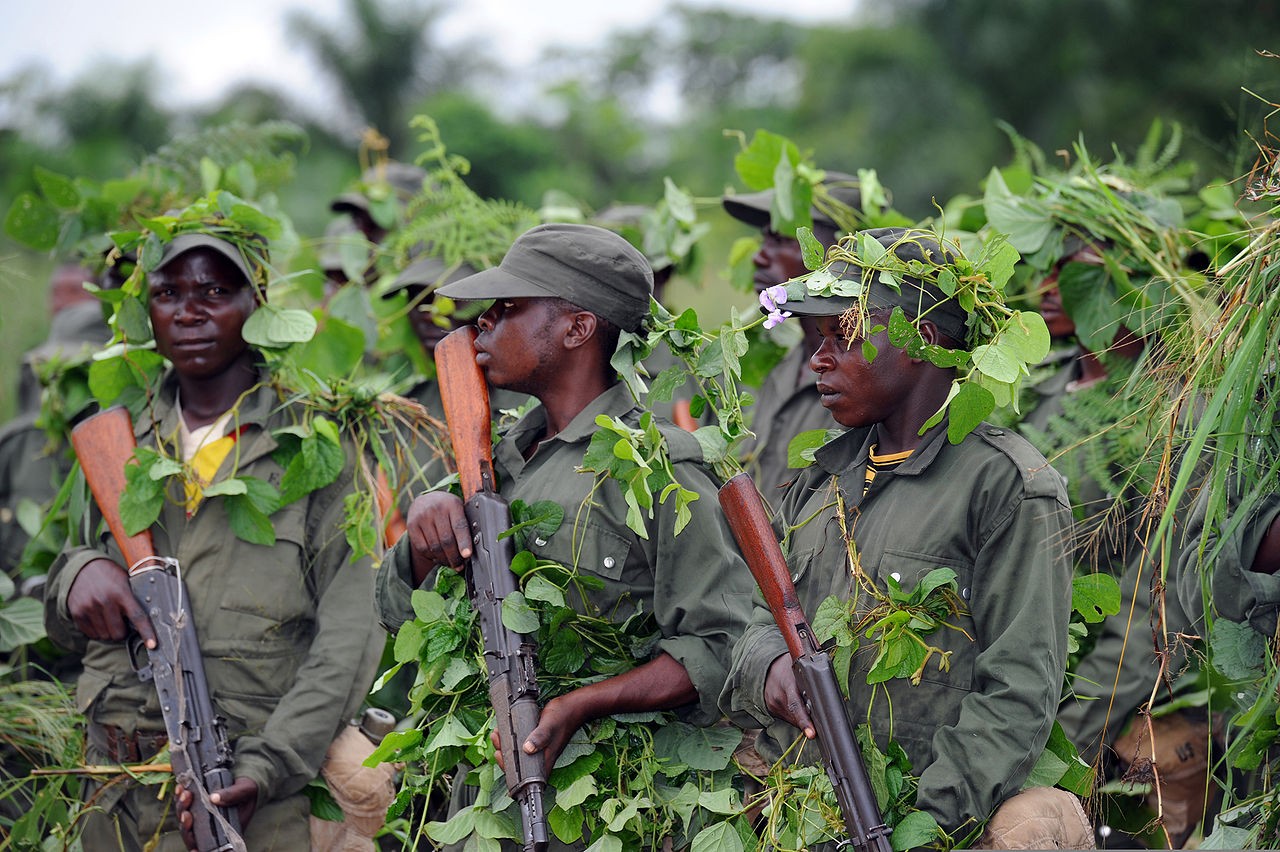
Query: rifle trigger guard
point(137, 651)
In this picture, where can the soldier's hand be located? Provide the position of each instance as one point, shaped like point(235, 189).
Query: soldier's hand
point(438, 533)
point(782, 696)
point(103, 606)
point(241, 794)
point(560, 719)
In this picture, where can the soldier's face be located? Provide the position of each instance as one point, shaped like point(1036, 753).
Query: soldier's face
point(779, 259)
point(423, 321)
point(857, 391)
point(199, 303)
point(516, 346)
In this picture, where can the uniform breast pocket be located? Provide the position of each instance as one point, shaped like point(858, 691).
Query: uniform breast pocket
point(265, 586)
point(593, 550)
point(948, 583)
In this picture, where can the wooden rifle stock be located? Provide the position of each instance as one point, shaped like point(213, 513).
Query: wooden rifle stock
point(466, 410)
point(103, 444)
point(744, 511)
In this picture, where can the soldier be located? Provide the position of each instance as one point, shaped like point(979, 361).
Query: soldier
point(787, 403)
point(989, 507)
point(562, 293)
point(285, 629)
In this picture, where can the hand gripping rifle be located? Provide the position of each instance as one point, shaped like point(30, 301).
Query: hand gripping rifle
point(509, 656)
point(815, 676)
point(198, 746)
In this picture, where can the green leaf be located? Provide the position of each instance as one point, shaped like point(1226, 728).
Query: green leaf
point(459, 826)
point(756, 163)
point(576, 793)
point(59, 190)
point(709, 749)
point(916, 830)
point(272, 327)
point(248, 522)
point(141, 502)
point(969, 407)
point(1089, 297)
point(1095, 596)
point(1236, 650)
point(562, 653)
point(428, 606)
point(720, 837)
point(831, 618)
point(935, 579)
point(323, 805)
point(606, 843)
point(997, 361)
point(541, 589)
point(1026, 226)
point(458, 670)
point(517, 615)
point(450, 733)
point(663, 388)
point(319, 462)
point(801, 448)
point(21, 623)
point(337, 348)
point(164, 467)
point(812, 251)
point(33, 222)
point(567, 825)
point(225, 488)
point(134, 320)
point(408, 642)
point(1026, 336)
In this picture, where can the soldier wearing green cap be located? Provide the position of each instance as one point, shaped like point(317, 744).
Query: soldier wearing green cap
point(285, 628)
point(561, 296)
point(885, 504)
point(786, 404)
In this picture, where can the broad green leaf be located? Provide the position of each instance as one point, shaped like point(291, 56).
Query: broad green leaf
point(336, 349)
point(969, 407)
point(323, 805)
point(679, 202)
point(141, 502)
point(831, 616)
point(1095, 596)
point(439, 638)
point(997, 361)
point(1048, 769)
point(408, 642)
point(936, 578)
point(714, 445)
point(248, 522)
point(1236, 650)
point(576, 793)
point(517, 615)
point(496, 826)
point(720, 837)
point(1026, 226)
point(709, 749)
point(33, 222)
point(663, 388)
point(566, 825)
point(59, 190)
point(1089, 297)
point(801, 448)
point(134, 320)
point(165, 467)
point(459, 826)
point(21, 623)
point(756, 163)
point(1027, 336)
point(812, 251)
point(1226, 836)
point(458, 670)
point(225, 488)
point(210, 174)
point(917, 830)
point(562, 653)
point(428, 606)
point(273, 327)
point(606, 843)
point(450, 733)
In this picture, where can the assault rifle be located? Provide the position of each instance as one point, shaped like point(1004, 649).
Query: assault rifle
point(198, 746)
point(815, 676)
point(509, 656)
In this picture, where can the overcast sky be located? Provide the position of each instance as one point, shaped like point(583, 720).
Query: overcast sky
point(201, 49)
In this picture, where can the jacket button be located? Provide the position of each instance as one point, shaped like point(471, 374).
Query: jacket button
point(995, 433)
point(608, 562)
point(964, 593)
point(540, 541)
point(896, 576)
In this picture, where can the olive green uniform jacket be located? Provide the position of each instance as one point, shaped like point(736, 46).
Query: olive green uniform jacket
point(1239, 593)
point(991, 509)
point(287, 632)
point(695, 584)
point(31, 469)
point(786, 405)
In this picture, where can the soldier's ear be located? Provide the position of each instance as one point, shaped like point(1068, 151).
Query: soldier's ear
point(582, 328)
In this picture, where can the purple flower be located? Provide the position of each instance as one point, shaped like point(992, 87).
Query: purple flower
point(775, 316)
point(771, 297)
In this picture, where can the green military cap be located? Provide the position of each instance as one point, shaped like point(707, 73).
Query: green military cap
point(592, 267)
point(916, 297)
point(183, 243)
point(754, 207)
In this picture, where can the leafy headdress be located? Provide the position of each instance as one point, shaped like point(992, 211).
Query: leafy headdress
point(917, 274)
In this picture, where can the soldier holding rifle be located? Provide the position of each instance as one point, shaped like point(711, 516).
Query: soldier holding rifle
point(285, 630)
point(562, 294)
point(885, 502)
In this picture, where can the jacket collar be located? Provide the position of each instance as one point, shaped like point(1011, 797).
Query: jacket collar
point(255, 409)
point(850, 451)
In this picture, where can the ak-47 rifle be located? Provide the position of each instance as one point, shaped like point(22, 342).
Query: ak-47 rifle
point(509, 656)
point(815, 676)
point(198, 746)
